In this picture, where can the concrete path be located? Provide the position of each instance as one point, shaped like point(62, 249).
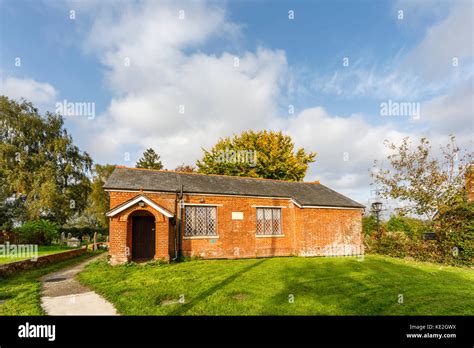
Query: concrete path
point(64, 295)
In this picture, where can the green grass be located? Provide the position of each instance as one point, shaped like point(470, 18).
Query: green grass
point(320, 286)
point(42, 250)
point(22, 291)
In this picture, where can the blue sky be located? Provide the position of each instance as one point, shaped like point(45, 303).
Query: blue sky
point(282, 62)
point(322, 34)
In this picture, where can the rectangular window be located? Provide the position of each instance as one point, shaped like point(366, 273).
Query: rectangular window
point(268, 221)
point(200, 221)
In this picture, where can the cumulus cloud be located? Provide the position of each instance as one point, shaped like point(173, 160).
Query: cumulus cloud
point(346, 147)
point(171, 96)
point(168, 93)
point(452, 112)
point(34, 91)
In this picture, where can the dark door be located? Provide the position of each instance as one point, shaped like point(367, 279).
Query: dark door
point(143, 237)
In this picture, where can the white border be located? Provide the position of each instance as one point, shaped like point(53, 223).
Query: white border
point(269, 235)
point(328, 207)
point(268, 206)
point(135, 201)
point(200, 237)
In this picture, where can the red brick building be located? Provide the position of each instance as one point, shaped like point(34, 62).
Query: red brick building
point(164, 214)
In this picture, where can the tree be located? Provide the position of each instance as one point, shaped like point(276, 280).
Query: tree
point(185, 168)
point(263, 154)
point(41, 232)
point(424, 182)
point(150, 160)
point(41, 170)
point(97, 202)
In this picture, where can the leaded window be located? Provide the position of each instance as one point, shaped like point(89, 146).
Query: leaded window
point(200, 221)
point(268, 221)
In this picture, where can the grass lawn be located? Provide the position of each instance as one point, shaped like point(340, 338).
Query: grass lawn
point(21, 292)
point(319, 286)
point(42, 250)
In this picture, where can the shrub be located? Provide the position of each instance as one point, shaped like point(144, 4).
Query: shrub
point(454, 244)
point(369, 225)
point(40, 232)
point(413, 228)
point(398, 244)
point(455, 233)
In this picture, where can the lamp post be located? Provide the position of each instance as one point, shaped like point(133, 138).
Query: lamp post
point(377, 208)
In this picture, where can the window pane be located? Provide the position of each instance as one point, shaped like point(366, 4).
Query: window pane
point(211, 220)
point(200, 221)
point(188, 221)
point(260, 221)
point(276, 221)
point(268, 221)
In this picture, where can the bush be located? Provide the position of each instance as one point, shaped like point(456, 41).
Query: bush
point(398, 244)
point(402, 237)
point(413, 228)
point(369, 225)
point(456, 233)
point(41, 232)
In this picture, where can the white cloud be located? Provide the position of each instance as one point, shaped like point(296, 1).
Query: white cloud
point(440, 61)
point(360, 81)
point(452, 112)
point(34, 91)
point(220, 95)
point(346, 148)
point(167, 70)
point(452, 37)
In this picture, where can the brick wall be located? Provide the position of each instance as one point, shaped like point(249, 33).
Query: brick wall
point(306, 232)
point(13, 267)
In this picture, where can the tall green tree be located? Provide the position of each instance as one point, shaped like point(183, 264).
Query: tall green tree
point(263, 154)
point(97, 201)
point(40, 167)
point(150, 160)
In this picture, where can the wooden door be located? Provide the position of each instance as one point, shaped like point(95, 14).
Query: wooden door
point(143, 237)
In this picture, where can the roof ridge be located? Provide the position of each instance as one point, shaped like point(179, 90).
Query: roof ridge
point(316, 182)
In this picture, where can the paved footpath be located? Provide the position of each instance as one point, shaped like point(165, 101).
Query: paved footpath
point(64, 295)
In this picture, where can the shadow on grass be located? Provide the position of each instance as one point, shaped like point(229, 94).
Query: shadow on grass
point(187, 306)
point(372, 287)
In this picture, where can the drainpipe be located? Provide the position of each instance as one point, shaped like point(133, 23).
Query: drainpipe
point(180, 221)
point(175, 223)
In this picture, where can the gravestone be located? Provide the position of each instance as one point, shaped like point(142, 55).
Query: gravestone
point(73, 242)
point(63, 238)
